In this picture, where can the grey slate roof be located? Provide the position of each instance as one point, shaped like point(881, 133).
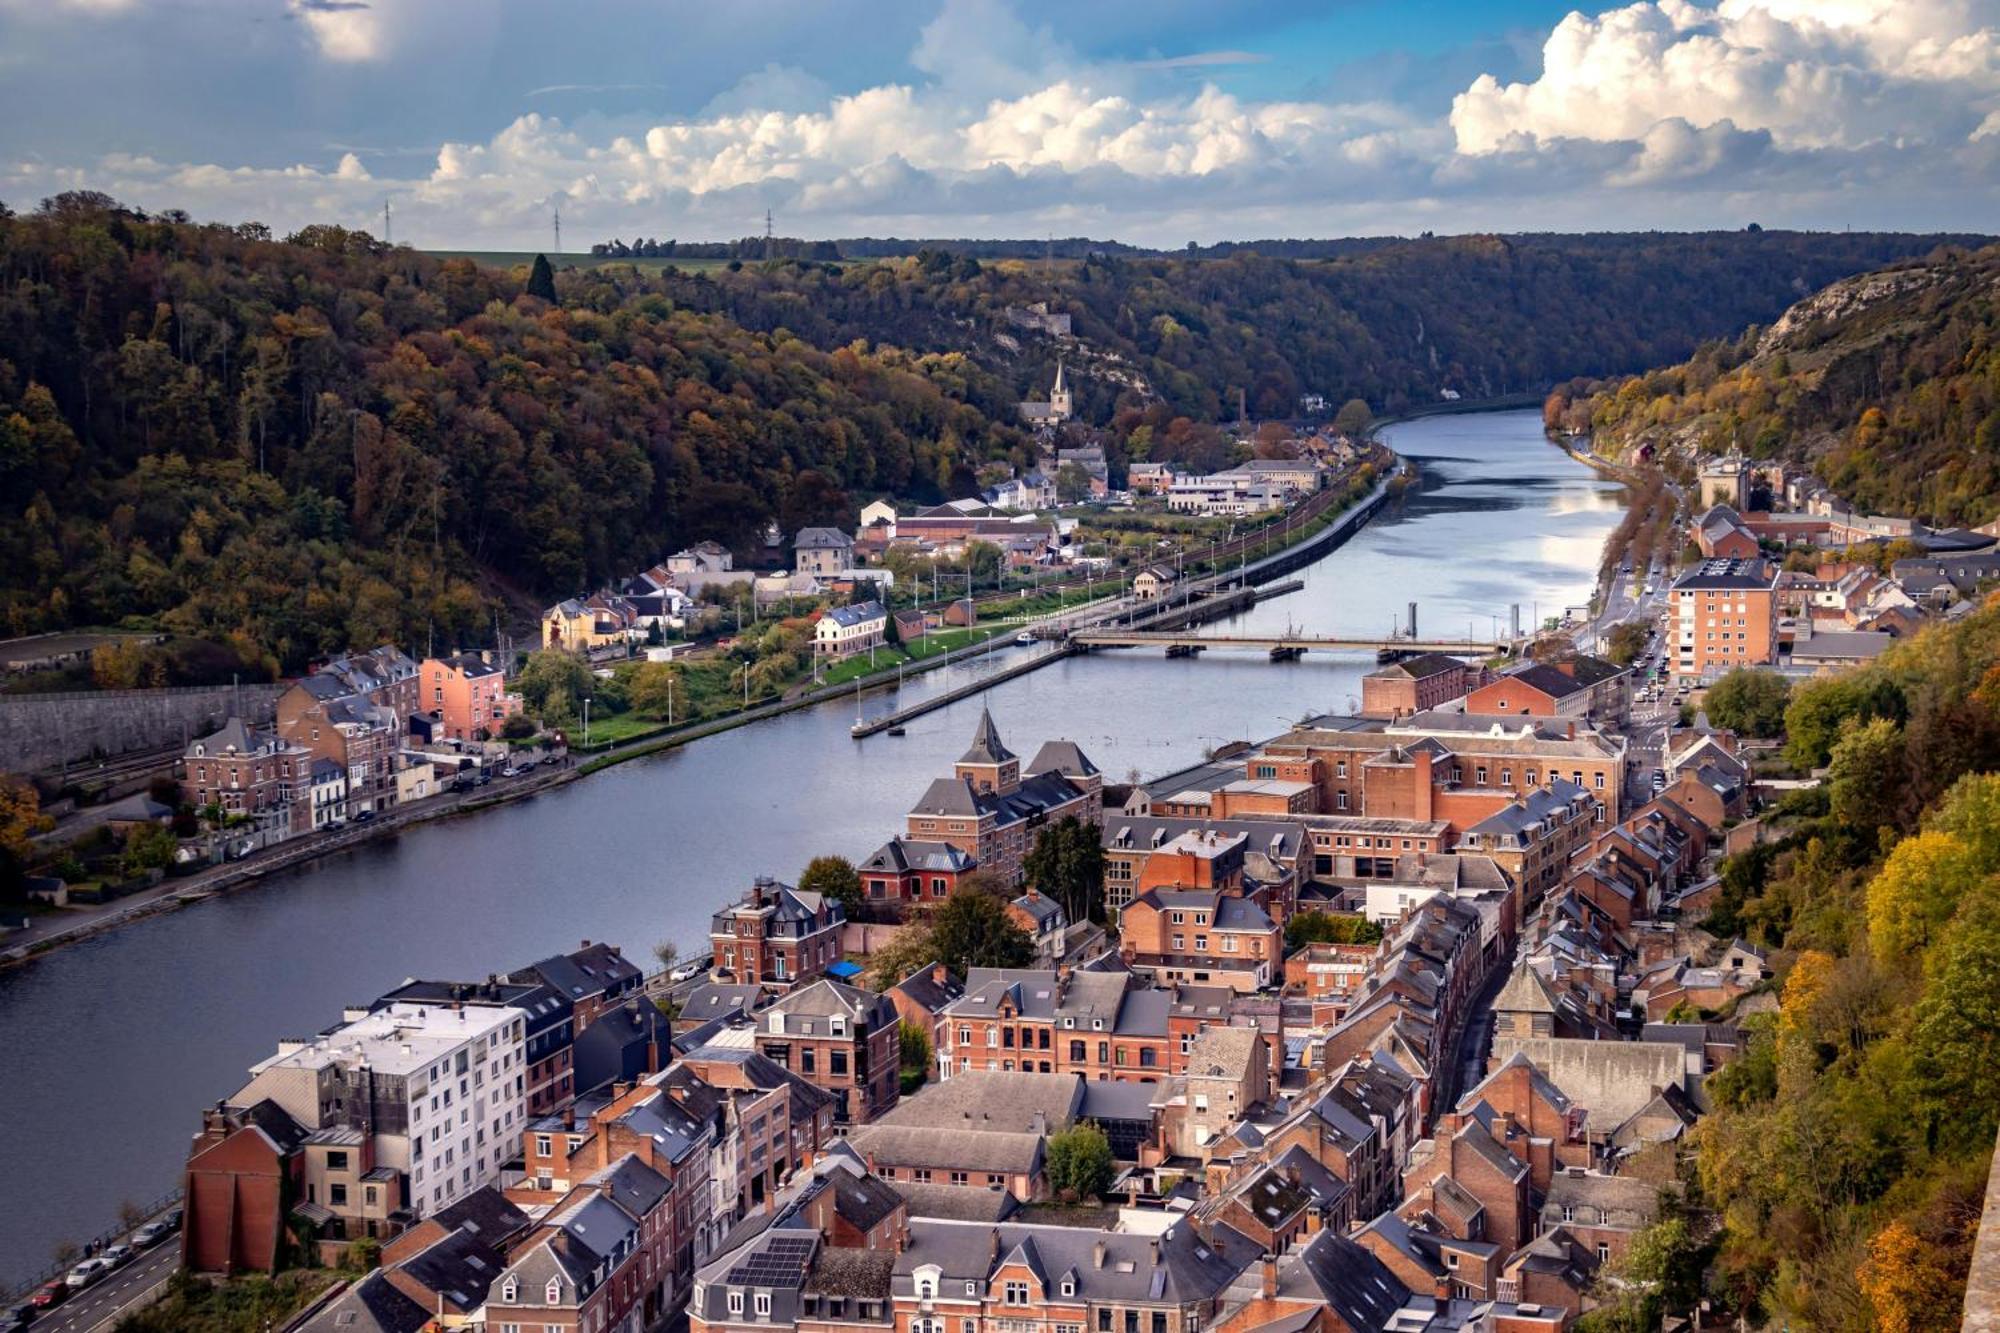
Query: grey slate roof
point(1176, 1269)
point(986, 746)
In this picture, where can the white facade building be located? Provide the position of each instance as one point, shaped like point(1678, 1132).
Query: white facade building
point(441, 1089)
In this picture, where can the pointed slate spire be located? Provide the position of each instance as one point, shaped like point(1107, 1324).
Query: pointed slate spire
point(986, 746)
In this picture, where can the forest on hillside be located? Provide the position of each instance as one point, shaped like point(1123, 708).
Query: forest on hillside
point(1846, 1156)
point(296, 446)
point(1395, 323)
point(1888, 386)
point(291, 446)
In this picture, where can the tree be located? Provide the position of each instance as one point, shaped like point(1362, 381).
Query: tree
point(517, 727)
point(1909, 1283)
point(1316, 927)
point(1627, 641)
point(1072, 483)
point(1866, 775)
point(553, 684)
point(542, 280)
point(1915, 893)
point(913, 1046)
point(1749, 702)
point(666, 951)
point(150, 847)
point(1353, 419)
point(974, 930)
point(1078, 1163)
point(658, 690)
point(834, 876)
point(909, 949)
point(1067, 864)
point(1955, 1030)
point(1820, 708)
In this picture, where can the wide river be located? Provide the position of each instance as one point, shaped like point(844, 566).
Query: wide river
point(113, 1045)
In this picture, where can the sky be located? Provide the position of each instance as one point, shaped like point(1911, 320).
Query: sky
point(1155, 122)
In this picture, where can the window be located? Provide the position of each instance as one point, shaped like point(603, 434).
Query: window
point(510, 1291)
point(553, 1292)
point(1603, 1253)
point(542, 1145)
point(764, 1304)
point(736, 1302)
point(1103, 1320)
point(1569, 1213)
point(1017, 1293)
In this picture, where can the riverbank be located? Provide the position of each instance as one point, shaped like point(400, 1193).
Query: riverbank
point(1316, 531)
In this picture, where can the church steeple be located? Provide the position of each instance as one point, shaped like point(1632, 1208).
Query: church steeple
point(1059, 399)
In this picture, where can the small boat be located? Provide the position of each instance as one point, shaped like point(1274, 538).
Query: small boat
point(895, 731)
point(1025, 639)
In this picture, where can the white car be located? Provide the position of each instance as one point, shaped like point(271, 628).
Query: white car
point(87, 1273)
point(689, 971)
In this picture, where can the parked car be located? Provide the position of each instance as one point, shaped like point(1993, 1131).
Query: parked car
point(510, 772)
point(172, 1218)
point(50, 1294)
point(688, 971)
point(550, 761)
point(146, 1237)
point(364, 816)
point(20, 1317)
point(484, 776)
point(119, 1255)
point(87, 1273)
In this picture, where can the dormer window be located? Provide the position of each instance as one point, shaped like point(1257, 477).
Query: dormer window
point(1069, 1286)
point(553, 1292)
point(510, 1291)
point(736, 1302)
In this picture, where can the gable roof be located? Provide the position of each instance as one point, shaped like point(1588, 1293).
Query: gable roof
point(986, 746)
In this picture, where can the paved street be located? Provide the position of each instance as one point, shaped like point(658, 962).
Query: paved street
point(99, 1306)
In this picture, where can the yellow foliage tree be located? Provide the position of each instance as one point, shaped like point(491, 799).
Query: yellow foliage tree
point(1915, 893)
point(1907, 1283)
point(1803, 989)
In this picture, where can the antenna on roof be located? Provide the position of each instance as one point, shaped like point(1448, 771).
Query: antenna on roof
point(555, 217)
point(767, 233)
point(388, 236)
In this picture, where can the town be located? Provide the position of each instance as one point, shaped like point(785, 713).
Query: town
point(1396, 1020)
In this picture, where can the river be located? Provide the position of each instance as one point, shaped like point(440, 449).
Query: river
point(112, 1045)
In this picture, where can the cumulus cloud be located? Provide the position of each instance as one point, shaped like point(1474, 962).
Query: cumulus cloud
point(1815, 112)
point(1810, 73)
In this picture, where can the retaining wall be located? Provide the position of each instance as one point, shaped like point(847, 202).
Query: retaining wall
point(39, 732)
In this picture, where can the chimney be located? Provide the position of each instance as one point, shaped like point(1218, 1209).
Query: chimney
point(586, 945)
point(1267, 1278)
point(604, 1187)
point(1424, 791)
point(1154, 1247)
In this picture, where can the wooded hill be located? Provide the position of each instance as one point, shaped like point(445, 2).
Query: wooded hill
point(1887, 384)
point(297, 446)
point(1847, 1153)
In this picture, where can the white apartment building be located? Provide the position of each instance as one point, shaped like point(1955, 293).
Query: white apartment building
point(440, 1090)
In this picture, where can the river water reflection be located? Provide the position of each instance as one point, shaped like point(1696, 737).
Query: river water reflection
point(112, 1046)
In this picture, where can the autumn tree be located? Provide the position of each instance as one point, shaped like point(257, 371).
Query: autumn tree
point(1354, 418)
point(1312, 927)
point(1908, 1285)
point(975, 930)
point(657, 690)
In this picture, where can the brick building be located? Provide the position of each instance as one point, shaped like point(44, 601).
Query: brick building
point(248, 771)
point(990, 811)
point(776, 935)
point(841, 1040)
point(465, 697)
point(1416, 685)
point(1726, 616)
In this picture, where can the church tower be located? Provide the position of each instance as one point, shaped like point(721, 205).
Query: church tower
point(1059, 403)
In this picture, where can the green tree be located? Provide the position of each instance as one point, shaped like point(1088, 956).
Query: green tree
point(553, 684)
point(1353, 419)
point(1079, 1162)
point(658, 690)
point(150, 847)
point(1315, 927)
point(974, 930)
point(1067, 864)
point(1072, 483)
point(1866, 775)
point(1955, 1030)
point(835, 877)
point(1749, 702)
point(1821, 707)
point(913, 1047)
point(542, 280)
point(910, 948)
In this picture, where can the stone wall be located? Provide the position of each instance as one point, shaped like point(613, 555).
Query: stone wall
point(39, 732)
point(1982, 1289)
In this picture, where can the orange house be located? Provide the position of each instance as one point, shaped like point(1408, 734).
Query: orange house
point(466, 696)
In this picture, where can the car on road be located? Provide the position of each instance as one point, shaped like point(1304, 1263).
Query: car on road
point(364, 816)
point(550, 761)
point(146, 1237)
point(172, 1217)
point(50, 1294)
point(87, 1273)
point(19, 1317)
point(510, 772)
point(119, 1255)
point(484, 776)
point(689, 971)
